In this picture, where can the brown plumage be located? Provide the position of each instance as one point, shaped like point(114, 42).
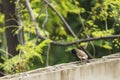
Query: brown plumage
point(80, 54)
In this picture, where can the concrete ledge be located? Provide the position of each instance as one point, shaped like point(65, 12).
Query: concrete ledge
point(106, 68)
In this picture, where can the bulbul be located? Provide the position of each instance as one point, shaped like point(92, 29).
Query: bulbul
point(80, 54)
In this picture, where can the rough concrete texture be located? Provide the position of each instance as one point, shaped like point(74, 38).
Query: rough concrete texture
point(106, 68)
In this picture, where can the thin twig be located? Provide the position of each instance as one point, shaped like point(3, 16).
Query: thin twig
point(45, 21)
point(43, 26)
point(106, 24)
point(47, 58)
point(41, 11)
point(114, 23)
point(3, 73)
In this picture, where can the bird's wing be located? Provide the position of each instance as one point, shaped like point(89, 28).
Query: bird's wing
point(81, 54)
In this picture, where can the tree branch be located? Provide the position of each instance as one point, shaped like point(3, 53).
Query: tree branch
point(85, 40)
point(29, 10)
point(33, 19)
point(69, 43)
point(61, 17)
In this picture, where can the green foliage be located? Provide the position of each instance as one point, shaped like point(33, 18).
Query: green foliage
point(87, 18)
point(106, 8)
point(99, 33)
point(116, 43)
point(24, 61)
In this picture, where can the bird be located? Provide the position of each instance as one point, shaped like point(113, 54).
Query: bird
point(80, 54)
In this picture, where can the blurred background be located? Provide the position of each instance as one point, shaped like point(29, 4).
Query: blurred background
point(86, 18)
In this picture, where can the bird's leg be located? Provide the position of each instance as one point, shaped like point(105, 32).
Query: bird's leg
point(84, 61)
point(80, 61)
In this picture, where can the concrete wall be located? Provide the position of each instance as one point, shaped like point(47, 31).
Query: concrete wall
point(100, 69)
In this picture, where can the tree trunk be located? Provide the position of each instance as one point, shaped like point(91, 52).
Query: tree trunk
point(11, 22)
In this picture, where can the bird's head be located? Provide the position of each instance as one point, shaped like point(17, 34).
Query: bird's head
point(73, 51)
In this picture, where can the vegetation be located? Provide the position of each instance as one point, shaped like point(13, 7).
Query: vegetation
point(39, 33)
